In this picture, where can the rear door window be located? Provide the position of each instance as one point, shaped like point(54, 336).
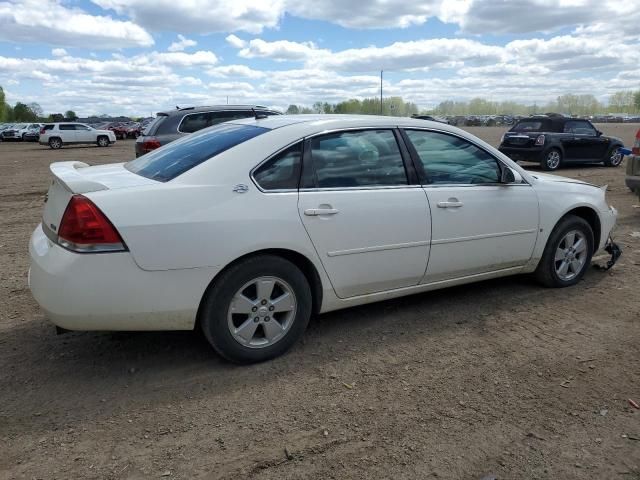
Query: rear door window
point(364, 158)
point(175, 158)
point(67, 126)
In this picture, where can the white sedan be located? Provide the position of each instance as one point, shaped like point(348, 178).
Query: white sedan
point(248, 228)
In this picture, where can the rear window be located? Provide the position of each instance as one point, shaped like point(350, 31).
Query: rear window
point(175, 158)
point(152, 124)
point(528, 126)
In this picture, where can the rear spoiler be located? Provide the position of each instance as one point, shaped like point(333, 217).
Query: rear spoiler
point(69, 176)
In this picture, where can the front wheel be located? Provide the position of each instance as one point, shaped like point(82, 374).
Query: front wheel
point(567, 253)
point(103, 142)
point(552, 160)
point(614, 158)
point(257, 309)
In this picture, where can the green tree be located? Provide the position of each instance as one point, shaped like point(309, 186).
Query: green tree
point(70, 115)
point(3, 106)
point(293, 110)
point(36, 109)
point(636, 101)
point(22, 113)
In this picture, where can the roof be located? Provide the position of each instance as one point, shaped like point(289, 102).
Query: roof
point(207, 108)
point(321, 122)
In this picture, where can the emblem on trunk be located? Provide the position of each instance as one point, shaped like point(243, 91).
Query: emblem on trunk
point(241, 188)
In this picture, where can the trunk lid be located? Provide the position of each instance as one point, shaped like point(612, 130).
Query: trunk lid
point(519, 139)
point(71, 178)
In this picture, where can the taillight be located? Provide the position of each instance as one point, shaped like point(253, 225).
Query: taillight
point(636, 146)
point(150, 144)
point(42, 130)
point(540, 140)
point(85, 229)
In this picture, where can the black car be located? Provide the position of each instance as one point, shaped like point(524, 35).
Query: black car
point(171, 125)
point(554, 140)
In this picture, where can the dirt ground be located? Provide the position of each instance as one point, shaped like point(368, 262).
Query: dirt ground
point(500, 378)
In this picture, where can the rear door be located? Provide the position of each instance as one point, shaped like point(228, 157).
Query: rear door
point(370, 226)
point(67, 132)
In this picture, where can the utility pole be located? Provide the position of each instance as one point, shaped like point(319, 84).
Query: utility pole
point(381, 91)
point(227, 99)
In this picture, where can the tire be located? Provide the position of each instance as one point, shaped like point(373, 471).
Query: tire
point(103, 141)
point(614, 157)
point(552, 160)
point(55, 143)
point(550, 269)
point(236, 288)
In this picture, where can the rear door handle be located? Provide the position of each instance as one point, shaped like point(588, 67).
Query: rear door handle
point(314, 212)
point(450, 204)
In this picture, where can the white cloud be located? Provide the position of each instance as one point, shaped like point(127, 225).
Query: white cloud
point(59, 52)
point(181, 44)
point(421, 54)
point(203, 16)
point(182, 59)
point(280, 50)
point(370, 14)
point(240, 71)
point(50, 22)
point(235, 41)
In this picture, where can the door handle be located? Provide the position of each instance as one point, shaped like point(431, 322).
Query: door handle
point(450, 204)
point(314, 212)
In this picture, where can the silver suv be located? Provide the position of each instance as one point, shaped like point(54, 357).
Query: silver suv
point(170, 126)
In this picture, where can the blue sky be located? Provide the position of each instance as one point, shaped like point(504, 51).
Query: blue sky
point(140, 56)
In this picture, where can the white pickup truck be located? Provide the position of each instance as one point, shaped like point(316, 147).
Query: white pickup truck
point(58, 134)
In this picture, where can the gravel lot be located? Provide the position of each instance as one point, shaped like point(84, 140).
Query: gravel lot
point(501, 377)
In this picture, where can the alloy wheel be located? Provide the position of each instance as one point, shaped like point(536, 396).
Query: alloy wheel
point(616, 158)
point(553, 159)
point(571, 255)
point(261, 312)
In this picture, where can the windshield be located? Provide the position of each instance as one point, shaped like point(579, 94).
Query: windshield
point(167, 162)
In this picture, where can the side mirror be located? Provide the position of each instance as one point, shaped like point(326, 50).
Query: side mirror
point(509, 175)
point(598, 133)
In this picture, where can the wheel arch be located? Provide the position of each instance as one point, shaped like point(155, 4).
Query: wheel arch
point(307, 267)
point(591, 217)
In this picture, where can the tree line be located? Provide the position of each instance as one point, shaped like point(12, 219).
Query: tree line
point(625, 102)
point(394, 106)
point(31, 112)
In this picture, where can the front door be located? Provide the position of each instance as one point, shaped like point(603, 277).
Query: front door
point(84, 134)
point(370, 228)
point(589, 145)
point(478, 224)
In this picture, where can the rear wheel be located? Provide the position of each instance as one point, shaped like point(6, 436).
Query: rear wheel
point(257, 309)
point(552, 160)
point(567, 254)
point(103, 141)
point(614, 157)
point(55, 143)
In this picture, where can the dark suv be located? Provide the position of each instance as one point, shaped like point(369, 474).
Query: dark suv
point(553, 140)
point(170, 126)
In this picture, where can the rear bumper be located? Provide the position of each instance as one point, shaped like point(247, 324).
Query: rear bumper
point(633, 182)
point(109, 291)
point(524, 154)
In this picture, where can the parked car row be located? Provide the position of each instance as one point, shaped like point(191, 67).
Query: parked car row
point(20, 131)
